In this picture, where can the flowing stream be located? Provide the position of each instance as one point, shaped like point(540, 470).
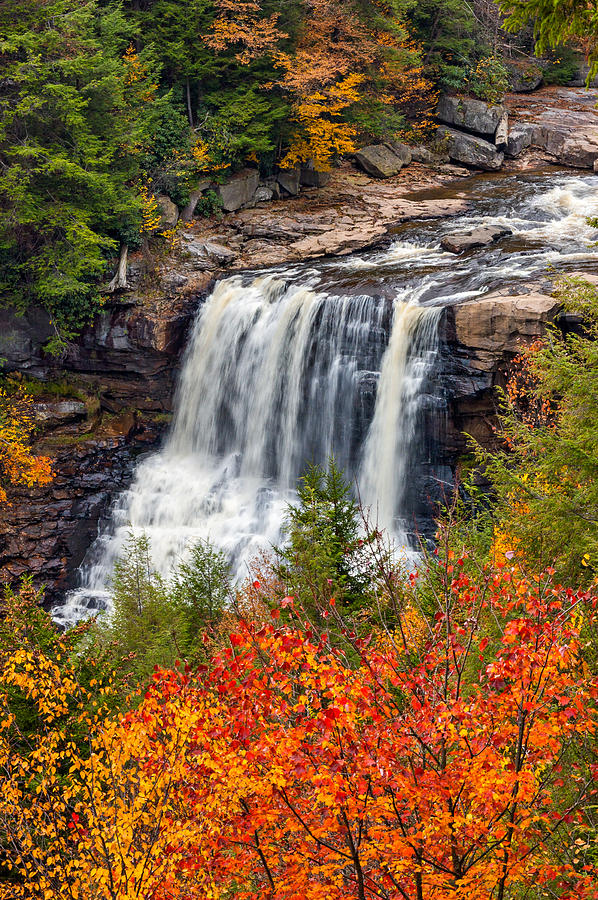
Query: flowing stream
point(290, 367)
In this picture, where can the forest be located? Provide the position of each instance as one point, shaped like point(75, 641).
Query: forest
point(344, 719)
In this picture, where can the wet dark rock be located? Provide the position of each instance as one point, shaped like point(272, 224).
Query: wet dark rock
point(47, 531)
point(477, 237)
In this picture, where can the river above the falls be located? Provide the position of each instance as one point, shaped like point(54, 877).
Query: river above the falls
point(288, 367)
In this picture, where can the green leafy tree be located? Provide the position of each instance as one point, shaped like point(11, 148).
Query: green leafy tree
point(546, 479)
point(77, 112)
point(154, 620)
point(144, 624)
point(449, 33)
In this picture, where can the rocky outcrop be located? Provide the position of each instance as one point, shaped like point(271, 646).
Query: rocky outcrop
point(470, 115)
point(493, 326)
point(477, 237)
point(560, 123)
point(383, 160)
point(45, 532)
point(239, 191)
point(470, 150)
point(481, 337)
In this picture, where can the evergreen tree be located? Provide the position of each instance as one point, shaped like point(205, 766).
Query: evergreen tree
point(556, 22)
point(200, 591)
point(77, 111)
point(326, 555)
point(546, 479)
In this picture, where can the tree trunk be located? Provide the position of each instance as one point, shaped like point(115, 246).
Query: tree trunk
point(189, 109)
point(194, 198)
point(119, 282)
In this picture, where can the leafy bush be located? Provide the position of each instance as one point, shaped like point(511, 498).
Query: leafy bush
point(489, 80)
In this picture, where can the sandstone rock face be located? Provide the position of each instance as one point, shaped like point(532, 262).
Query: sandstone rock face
point(562, 123)
point(383, 160)
point(472, 115)
point(239, 191)
point(477, 237)
point(169, 213)
point(496, 324)
point(471, 150)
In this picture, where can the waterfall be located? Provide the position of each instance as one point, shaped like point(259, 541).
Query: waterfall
point(411, 352)
point(276, 376)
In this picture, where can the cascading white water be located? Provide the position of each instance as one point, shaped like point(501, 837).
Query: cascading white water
point(281, 372)
point(410, 355)
point(275, 377)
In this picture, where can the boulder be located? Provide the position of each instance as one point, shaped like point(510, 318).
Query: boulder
point(222, 255)
point(524, 77)
point(403, 151)
point(497, 324)
point(290, 180)
point(310, 177)
point(263, 194)
point(382, 160)
point(424, 156)
point(580, 79)
point(477, 237)
point(471, 150)
point(520, 138)
point(169, 213)
point(471, 115)
point(576, 147)
point(239, 191)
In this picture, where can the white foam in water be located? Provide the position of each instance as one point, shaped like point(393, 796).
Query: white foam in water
point(278, 374)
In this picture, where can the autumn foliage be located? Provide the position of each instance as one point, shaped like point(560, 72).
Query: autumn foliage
point(340, 60)
point(445, 766)
point(18, 464)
